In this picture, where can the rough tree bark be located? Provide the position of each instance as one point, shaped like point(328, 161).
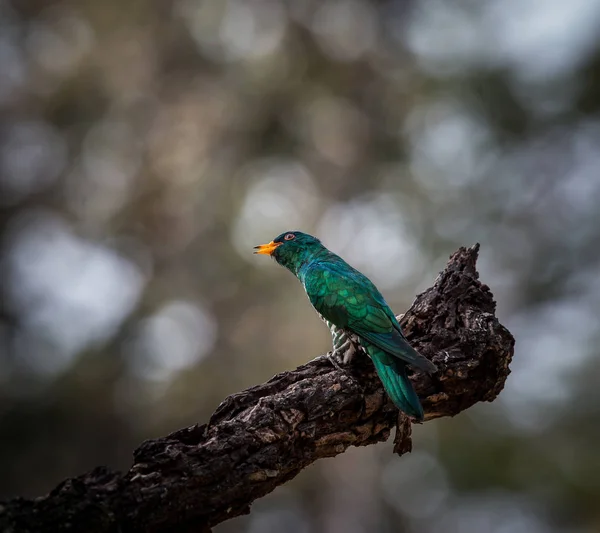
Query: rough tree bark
point(262, 437)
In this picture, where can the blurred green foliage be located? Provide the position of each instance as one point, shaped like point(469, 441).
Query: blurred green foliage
point(145, 147)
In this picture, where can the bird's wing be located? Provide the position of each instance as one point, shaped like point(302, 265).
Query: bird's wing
point(349, 300)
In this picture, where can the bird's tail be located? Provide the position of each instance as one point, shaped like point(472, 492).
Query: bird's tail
point(392, 373)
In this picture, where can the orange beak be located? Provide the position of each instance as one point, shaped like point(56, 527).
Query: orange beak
point(267, 249)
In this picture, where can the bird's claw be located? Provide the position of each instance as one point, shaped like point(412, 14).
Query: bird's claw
point(333, 358)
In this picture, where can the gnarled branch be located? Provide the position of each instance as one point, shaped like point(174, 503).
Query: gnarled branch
point(264, 436)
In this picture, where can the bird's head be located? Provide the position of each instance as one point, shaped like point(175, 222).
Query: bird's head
point(292, 249)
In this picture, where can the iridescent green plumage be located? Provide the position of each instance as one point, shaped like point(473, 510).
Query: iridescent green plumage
point(354, 309)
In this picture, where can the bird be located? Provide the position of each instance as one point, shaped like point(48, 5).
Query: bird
point(355, 312)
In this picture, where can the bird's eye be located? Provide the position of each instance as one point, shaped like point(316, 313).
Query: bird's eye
point(289, 237)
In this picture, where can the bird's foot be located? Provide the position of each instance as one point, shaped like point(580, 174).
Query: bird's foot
point(349, 353)
point(333, 359)
point(343, 353)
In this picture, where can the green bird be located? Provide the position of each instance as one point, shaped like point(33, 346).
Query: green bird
point(355, 312)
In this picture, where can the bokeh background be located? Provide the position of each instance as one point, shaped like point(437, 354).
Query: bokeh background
point(146, 146)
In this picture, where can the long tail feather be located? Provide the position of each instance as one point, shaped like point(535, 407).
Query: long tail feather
point(396, 383)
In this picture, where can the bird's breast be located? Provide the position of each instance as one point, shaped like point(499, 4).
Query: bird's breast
point(341, 333)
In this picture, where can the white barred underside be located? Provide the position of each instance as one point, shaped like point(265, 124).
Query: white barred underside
point(345, 343)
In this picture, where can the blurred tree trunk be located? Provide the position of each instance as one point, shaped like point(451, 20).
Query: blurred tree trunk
point(262, 437)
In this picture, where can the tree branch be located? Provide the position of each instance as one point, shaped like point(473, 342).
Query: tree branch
point(262, 437)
